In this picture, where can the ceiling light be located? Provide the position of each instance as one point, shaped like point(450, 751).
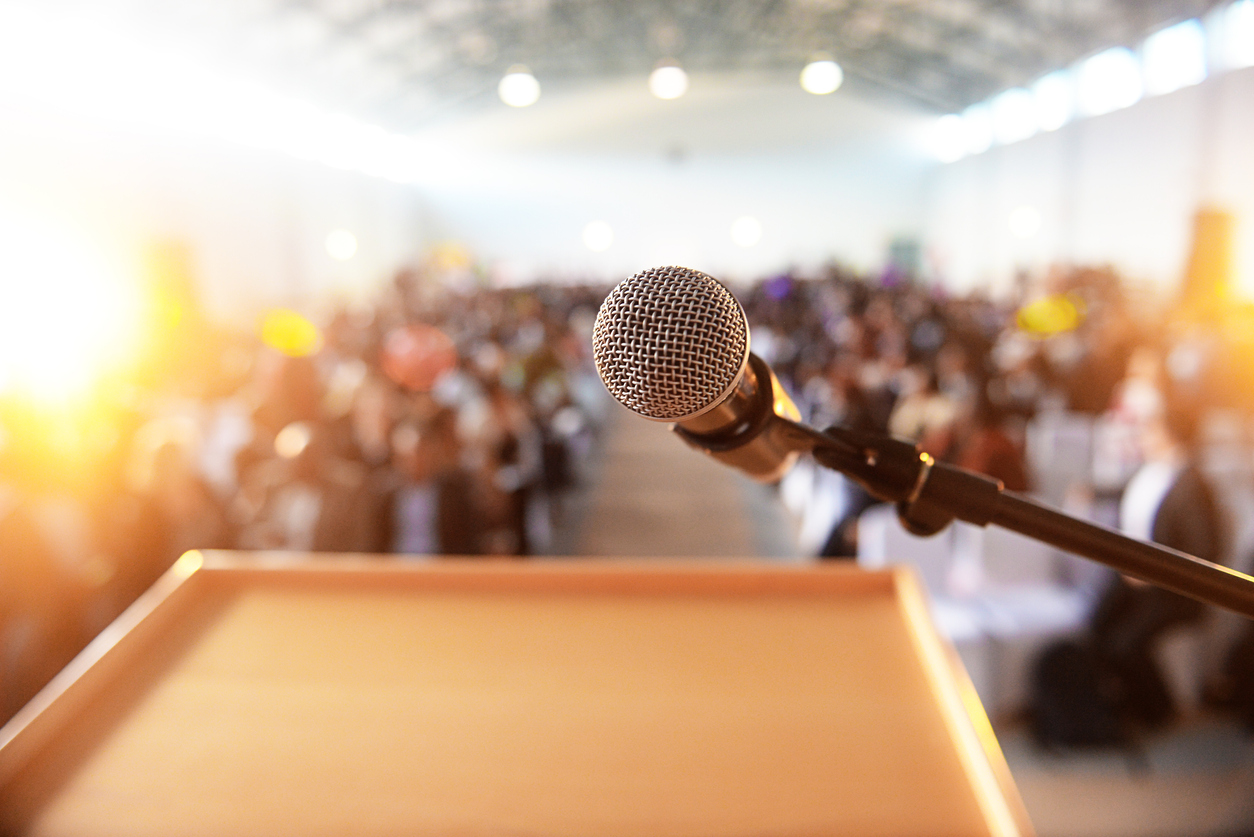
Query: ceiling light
point(1014, 117)
point(1238, 35)
point(519, 88)
point(1109, 81)
point(341, 245)
point(949, 139)
point(1053, 100)
point(598, 236)
point(1174, 57)
point(746, 231)
point(668, 81)
point(821, 77)
point(977, 128)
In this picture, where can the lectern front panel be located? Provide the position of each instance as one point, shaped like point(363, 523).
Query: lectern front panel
point(554, 699)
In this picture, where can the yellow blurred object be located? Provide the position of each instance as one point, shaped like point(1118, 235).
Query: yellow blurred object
point(170, 273)
point(169, 314)
point(291, 333)
point(450, 255)
point(1053, 314)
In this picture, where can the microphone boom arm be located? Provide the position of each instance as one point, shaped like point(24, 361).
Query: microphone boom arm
point(929, 495)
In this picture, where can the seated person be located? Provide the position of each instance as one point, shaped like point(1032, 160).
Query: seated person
point(1167, 501)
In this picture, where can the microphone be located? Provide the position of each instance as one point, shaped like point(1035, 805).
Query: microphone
point(672, 344)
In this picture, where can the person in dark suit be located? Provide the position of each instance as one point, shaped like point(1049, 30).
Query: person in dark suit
point(1169, 501)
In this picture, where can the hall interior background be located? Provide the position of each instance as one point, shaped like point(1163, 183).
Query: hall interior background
point(340, 337)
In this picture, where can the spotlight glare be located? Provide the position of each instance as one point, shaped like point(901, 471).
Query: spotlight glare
point(519, 88)
point(822, 77)
point(71, 313)
point(668, 81)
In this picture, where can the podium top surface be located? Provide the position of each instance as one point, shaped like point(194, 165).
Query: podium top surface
point(254, 694)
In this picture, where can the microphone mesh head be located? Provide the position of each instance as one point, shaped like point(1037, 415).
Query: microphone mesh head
point(670, 342)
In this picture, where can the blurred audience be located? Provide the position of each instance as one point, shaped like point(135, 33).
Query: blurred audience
point(448, 418)
point(443, 419)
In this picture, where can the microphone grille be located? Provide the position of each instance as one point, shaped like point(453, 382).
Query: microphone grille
point(670, 342)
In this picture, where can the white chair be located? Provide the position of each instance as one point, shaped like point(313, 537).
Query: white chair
point(883, 541)
point(1059, 453)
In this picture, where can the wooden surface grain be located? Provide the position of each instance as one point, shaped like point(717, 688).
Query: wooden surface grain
point(582, 702)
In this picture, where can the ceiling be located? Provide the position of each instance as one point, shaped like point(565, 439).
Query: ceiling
point(407, 64)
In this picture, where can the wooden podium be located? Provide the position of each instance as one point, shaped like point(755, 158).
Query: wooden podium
point(258, 694)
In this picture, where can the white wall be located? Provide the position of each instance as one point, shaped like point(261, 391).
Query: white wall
point(255, 221)
point(1117, 189)
point(827, 177)
point(834, 177)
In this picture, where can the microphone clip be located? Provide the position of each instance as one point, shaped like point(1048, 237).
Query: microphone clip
point(749, 428)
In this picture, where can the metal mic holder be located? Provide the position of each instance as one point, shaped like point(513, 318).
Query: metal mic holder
point(929, 495)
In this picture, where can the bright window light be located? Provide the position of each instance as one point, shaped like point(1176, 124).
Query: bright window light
point(1053, 99)
point(822, 77)
point(519, 88)
point(668, 82)
point(1174, 57)
point(598, 236)
point(746, 231)
point(341, 245)
point(1238, 35)
point(1014, 117)
point(1109, 81)
point(1024, 221)
point(948, 139)
point(85, 68)
point(977, 128)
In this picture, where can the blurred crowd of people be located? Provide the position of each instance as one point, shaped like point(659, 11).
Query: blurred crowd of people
point(964, 376)
point(438, 420)
point(447, 418)
point(1145, 375)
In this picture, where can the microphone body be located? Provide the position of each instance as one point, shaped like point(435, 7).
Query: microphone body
point(739, 431)
point(672, 344)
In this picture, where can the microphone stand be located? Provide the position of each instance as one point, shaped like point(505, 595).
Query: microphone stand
point(929, 495)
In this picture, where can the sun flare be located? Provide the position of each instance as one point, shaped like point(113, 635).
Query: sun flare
point(68, 314)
